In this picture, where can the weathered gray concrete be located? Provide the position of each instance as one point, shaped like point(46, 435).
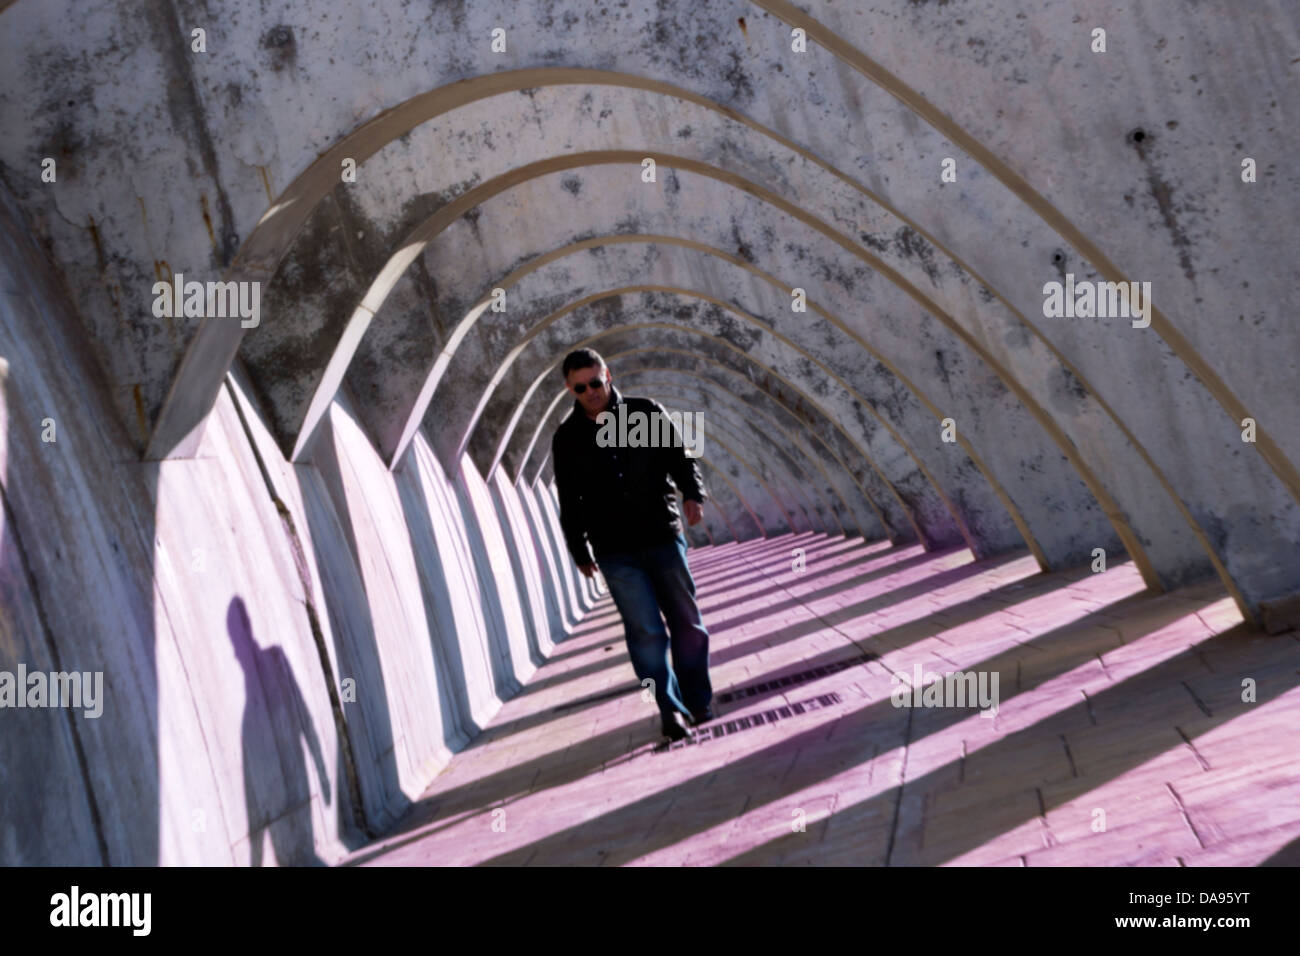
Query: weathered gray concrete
point(808, 476)
point(720, 379)
point(241, 111)
point(896, 484)
point(289, 651)
point(705, 211)
point(244, 527)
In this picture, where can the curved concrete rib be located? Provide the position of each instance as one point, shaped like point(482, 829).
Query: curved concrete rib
point(851, 120)
point(1178, 343)
point(1139, 558)
point(1093, 537)
point(744, 425)
point(895, 518)
point(1039, 414)
point(435, 226)
point(722, 379)
point(983, 506)
point(809, 472)
point(709, 327)
point(1178, 558)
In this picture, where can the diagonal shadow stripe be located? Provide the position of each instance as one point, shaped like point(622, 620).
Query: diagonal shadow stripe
point(879, 726)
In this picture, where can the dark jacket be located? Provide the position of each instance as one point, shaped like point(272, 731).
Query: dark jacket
point(619, 499)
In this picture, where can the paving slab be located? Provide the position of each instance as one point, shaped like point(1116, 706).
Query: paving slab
point(1112, 700)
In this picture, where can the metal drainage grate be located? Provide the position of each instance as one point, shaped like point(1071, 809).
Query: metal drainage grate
point(739, 693)
point(714, 731)
point(791, 679)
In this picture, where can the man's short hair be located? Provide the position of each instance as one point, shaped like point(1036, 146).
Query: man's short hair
point(581, 358)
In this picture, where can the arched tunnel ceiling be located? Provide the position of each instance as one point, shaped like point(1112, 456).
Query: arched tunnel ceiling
point(802, 479)
point(776, 170)
point(779, 462)
point(818, 434)
point(754, 428)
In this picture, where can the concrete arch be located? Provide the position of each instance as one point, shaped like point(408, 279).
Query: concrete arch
point(809, 474)
point(768, 97)
point(896, 517)
point(423, 234)
point(776, 474)
point(863, 510)
point(917, 418)
point(1095, 538)
point(1176, 562)
point(714, 324)
point(1117, 520)
point(1180, 561)
point(1184, 564)
point(1184, 571)
point(1114, 518)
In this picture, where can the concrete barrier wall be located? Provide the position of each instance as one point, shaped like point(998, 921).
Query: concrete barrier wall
point(289, 652)
point(560, 611)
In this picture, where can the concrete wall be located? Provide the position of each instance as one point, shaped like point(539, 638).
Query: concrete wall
point(786, 168)
point(311, 556)
point(290, 651)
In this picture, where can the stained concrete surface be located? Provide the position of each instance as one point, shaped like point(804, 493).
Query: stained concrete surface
point(1120, 737)
point(314, 559)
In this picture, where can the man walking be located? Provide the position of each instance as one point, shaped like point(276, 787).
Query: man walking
point(619, 503)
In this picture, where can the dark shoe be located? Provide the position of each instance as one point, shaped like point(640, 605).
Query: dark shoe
point(702, 717)
point(673, 728)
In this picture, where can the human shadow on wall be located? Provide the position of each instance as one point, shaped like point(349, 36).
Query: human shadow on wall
point(275, 716)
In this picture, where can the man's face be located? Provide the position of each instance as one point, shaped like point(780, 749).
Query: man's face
point(590, 386)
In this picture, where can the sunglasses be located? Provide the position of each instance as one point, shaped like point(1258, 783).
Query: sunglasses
point(595, 385)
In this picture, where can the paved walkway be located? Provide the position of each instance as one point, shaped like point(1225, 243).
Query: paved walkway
point(1121, 736)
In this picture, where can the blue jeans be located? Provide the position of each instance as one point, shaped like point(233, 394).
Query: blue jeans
point(643, 583)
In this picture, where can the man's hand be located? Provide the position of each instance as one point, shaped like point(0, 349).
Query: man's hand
point(694, 513)
point(588, 570)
